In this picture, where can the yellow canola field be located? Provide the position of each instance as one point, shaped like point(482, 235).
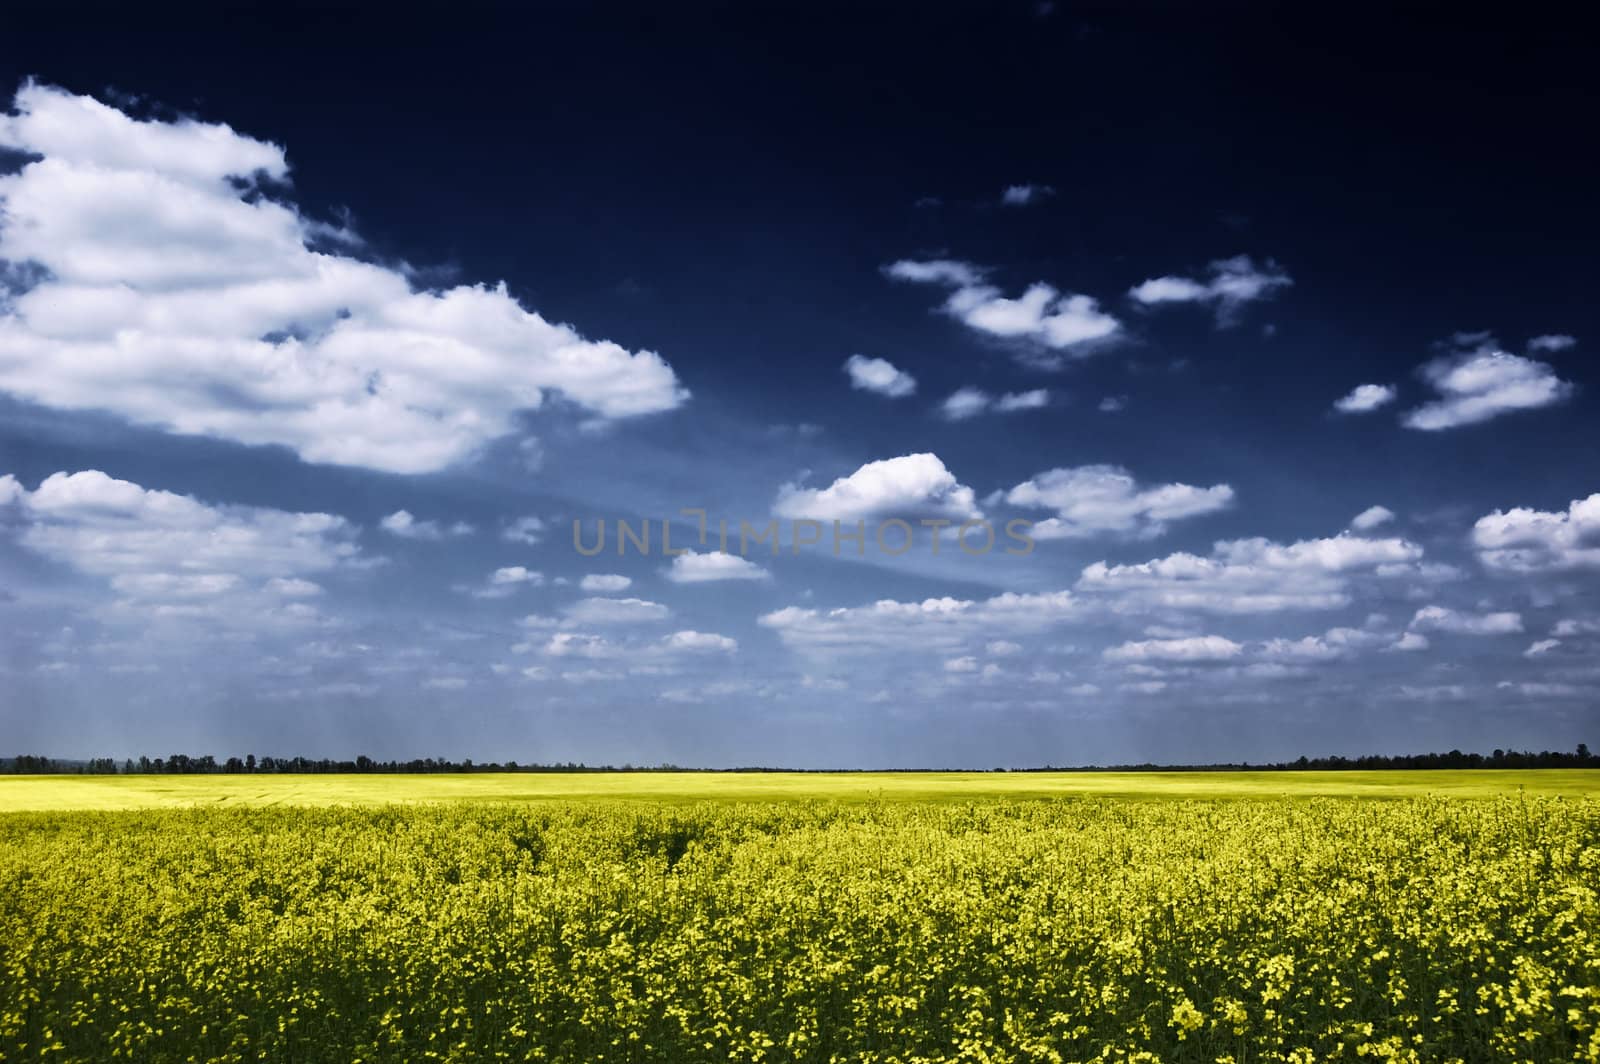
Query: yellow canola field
point(1081, 928)
point(156, 791)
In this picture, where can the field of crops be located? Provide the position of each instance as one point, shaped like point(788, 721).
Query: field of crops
point(1066, 929)
point(40, 793)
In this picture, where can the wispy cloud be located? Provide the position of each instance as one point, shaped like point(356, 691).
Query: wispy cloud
point(1068, 324)
point(1365, 398)
point(404, 525)
point(1025, 195)
point(969, 402)
point(880, 376)
point(1229, 286)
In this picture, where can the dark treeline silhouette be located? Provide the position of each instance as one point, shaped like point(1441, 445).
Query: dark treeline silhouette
point(207, 764)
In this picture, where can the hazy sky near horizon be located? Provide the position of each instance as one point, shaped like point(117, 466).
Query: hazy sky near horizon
point(316, 339)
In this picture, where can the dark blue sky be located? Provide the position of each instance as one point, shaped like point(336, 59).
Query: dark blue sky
point(1242, 217)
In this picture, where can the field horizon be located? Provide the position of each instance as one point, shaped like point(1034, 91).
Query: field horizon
point(65, 793)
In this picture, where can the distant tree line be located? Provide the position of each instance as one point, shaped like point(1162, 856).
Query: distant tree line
point(35, 765)
point(207, 764)
point(1455, 759)
point(1580, 758)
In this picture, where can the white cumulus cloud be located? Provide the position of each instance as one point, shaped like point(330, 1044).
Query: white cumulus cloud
point(579, 645)
point(404, 525)
point(879, 375)
point(935, 624)
point(700, 642)
point(1066, 323)
point(178, 289)
point(693, 567)
point(911, 486)
point(1528, 541)
point(1455, 622)
point(172, 555)
point(504, 582)
point(1365, 398)
point(1410, 641)
point(1194, 648)
point(600, 610)
point(1251, 575)
point(1371, 518)
point(1229, 286)
point(1097, 499)
point(1484, 383)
